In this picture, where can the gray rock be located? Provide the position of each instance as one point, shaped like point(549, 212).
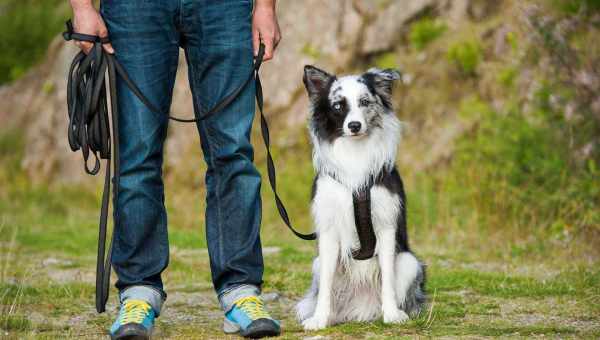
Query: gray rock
point(384, 30)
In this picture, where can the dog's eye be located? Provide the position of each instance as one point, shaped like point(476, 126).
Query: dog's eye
point(364, 102)
point(337, 106)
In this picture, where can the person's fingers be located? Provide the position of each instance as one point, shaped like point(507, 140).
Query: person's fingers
point(277, 40)
point(108, 48)
point(269, 47)
point(85, 46)
point(255, 41)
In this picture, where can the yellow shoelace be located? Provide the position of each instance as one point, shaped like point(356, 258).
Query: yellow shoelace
point(253, 306)
point(134, 311)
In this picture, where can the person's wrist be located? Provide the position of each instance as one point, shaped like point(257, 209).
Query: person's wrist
point(81, 4)
point(265, 4)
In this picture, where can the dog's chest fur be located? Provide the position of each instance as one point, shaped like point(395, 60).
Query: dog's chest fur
point(332, 210)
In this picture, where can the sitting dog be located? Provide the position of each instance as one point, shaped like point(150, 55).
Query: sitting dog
point(355, 136)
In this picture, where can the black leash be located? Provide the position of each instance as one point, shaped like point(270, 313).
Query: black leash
point(90, 131)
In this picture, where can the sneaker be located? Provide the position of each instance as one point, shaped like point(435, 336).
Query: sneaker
point(249, 318)
point(135, 321)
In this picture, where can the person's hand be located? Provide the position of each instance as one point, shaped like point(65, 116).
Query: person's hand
point(265, 27)
point(87, 20)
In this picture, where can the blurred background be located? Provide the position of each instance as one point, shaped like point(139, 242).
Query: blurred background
point(501, 160)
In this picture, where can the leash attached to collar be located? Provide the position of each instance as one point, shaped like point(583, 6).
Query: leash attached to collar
point(90, 131)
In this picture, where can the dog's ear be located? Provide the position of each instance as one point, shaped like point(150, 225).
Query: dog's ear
point(382, 81)
point(315, 80)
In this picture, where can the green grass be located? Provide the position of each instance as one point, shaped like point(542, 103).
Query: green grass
point(42, 223)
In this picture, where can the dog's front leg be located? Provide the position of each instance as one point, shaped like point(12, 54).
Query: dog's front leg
point(386, 257)
point(328, 258)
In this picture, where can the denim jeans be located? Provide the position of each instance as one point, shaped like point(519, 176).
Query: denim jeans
point(216, 38)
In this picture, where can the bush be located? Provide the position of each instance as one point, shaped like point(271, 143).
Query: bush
point(425, 31)
point(466, 56)
point(26, 29)
point(518, 170)
point(577, 6)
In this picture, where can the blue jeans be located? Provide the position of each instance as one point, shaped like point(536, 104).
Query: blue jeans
point(216, 38)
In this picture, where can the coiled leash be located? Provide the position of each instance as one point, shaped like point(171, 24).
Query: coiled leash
point(90, 131)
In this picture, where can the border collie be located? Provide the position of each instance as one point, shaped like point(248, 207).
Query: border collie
point(355, 135)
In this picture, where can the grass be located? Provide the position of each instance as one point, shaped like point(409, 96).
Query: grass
point(48, 250)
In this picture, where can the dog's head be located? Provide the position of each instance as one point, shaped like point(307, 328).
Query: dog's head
point(350, 106)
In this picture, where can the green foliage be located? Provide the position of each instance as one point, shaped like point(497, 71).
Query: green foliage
point(507, 76)
point(11, 153)
point(466, 56)
point(14, 323)
point(386, 60)
point(425, 31)
point(577, 6)
point(26, 28)
point(310, 51)
point(518, 168)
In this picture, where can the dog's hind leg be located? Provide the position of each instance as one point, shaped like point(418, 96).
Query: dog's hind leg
point(410, 283)
point(386, 256)
point(306, 307)
point(329, 252)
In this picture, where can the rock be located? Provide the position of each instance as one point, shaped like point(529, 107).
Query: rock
point(385, 28)
point(480, 9)
point(268, 297)
point(457, 11)
point(52, 261)
point(270, 250)
point(314, 32)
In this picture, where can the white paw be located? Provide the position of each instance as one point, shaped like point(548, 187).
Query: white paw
point(314, 323)
point(395, 316)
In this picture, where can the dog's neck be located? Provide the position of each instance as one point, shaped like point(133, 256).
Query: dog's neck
point(354, 162)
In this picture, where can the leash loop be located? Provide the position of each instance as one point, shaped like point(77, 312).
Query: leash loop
point(92, 131)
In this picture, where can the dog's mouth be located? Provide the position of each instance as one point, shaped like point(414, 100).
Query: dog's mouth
point(355, 135)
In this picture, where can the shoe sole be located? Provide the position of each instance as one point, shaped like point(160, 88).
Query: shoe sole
point(133, 337)
point(131, 332)
point(230, 327)
point(261, 333)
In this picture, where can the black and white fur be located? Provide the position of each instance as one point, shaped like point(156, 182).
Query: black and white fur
point(355, 135)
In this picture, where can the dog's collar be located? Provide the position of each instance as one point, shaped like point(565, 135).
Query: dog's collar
point(368, 184)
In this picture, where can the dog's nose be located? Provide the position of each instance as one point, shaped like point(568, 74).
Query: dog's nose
point(354, 126)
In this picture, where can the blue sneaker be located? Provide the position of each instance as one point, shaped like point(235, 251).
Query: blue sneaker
point(249, 318)
point(135, 321)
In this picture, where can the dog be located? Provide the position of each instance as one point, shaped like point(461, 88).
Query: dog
point(355, 135)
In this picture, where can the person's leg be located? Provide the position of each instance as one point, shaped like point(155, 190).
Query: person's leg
point(218, 44)
point(146, 43)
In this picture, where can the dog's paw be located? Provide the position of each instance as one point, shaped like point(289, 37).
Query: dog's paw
point(395, 316)
point(314, 323)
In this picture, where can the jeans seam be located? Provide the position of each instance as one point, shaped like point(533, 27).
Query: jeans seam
point(210, 146)
point(211, 157)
